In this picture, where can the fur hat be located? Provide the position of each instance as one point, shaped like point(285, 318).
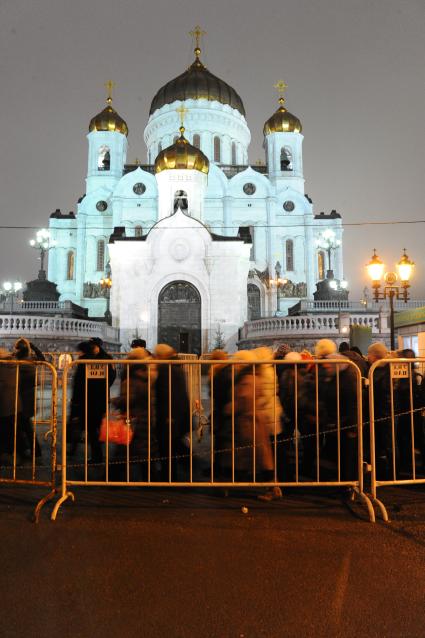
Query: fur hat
point(164, 351)
point(138, 353)
point(324, 347)
point(282, 350)
point(378, 350)
point(293, 357)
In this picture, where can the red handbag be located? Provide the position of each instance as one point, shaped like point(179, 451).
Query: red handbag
point(117, 431)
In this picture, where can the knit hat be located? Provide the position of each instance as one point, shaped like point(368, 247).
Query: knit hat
point(378, 350)
point(324, 347)
point(164, 351)
point(282, 350)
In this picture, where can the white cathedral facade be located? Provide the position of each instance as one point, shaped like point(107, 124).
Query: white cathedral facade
point(197, 241)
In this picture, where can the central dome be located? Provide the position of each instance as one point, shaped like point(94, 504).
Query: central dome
point(197, 83)
point(182, 155)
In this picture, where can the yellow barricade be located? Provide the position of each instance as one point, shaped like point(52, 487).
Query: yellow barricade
point(214, 424)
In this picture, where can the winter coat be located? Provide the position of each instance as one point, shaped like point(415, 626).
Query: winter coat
point(268, 408)
point(8, 400)
point(347, 401)
point(179, 402)
point(97, 391)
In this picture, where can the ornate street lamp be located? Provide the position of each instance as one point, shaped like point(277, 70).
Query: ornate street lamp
point(43, 242)
point(10, 290)
point(277, 281)
point(106, 285)
point(327, 241)
point(390, 288)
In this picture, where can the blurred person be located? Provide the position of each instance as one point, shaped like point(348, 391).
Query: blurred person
point(137, 403)
point(88, 408)
point(410, 402)
point(10, 406)
point(220, 388)
point(377, 352)
point(172, 417)
point(26, 351)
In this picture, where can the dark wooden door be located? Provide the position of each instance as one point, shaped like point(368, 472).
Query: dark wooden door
point(179, 317)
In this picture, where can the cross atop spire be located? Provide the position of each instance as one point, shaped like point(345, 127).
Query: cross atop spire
point(197, 33)
point(281, 87)
point(109, 85)
point(182, 110)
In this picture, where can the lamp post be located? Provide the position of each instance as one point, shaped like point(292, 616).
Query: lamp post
point(390, 288)
point(106, 285)
point(277, 281)
point(43, 243)
point(327, 241)
point(11, 290)
point(340, 288)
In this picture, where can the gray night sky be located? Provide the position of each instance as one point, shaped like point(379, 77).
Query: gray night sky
point(356, 76)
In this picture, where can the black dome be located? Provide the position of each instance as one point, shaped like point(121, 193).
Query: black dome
point(197, 83)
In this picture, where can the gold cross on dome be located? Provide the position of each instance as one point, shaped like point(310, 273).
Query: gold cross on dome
point(197, 33)
point(182, 110)
point(109, 85)
point(281, 87)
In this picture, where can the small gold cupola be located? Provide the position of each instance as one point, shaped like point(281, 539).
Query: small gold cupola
point(182, 155)
point(108, 119)
point(282, 121)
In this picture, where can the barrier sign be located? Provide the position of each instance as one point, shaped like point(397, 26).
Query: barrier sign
point(399, 370)
point(96, 371)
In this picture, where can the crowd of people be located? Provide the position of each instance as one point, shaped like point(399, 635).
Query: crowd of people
point(273, 416)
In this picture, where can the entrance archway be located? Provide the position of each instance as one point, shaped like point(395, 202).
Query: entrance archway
point(179, 317)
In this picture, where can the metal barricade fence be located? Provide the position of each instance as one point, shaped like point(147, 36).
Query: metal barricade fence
point(315, 442)
point(397, 424)
point(28, 409)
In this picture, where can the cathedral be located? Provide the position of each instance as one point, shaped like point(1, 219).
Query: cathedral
point(196, 241)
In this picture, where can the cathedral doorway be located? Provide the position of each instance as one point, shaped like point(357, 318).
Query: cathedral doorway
point(179, 317)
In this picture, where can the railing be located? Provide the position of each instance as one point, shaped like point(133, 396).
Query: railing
point(309, 305)
point(46, 307)
point(23, 325)
point(312, 325)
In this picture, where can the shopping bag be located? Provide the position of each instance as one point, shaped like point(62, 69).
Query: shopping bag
point(119, 430)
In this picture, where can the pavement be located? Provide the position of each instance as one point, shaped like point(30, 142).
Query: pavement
point(156, 562)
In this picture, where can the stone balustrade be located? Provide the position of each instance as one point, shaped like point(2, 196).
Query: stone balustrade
point(33, 326)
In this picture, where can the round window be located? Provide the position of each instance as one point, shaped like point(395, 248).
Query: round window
point(249, 189)
point(289, 206)
point(139, 188)
point(102, 206)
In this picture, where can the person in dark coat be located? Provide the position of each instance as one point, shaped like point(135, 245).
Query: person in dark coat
point(339, 392)
point(384, 444)
point(26, 351)
point(171, 417)
point(96, 398)
point(137, 403)
point(10, 404)
point(410, 402)
point(221, 422)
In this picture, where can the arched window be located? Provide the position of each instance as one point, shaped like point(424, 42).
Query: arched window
point(180, 201)
point(70, 260)
point(254, 302)
point(104, 159)
point(100, 257)
point(138, 231)
point(321, 264)
point(286, 159)
point(197, 140)
point(233, 153)
point(217, 149)
point(289, 254)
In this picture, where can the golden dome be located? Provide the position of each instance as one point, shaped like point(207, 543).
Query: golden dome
point(108, 120)
point(197, 83)
point(282, 121)
point(182, 155)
